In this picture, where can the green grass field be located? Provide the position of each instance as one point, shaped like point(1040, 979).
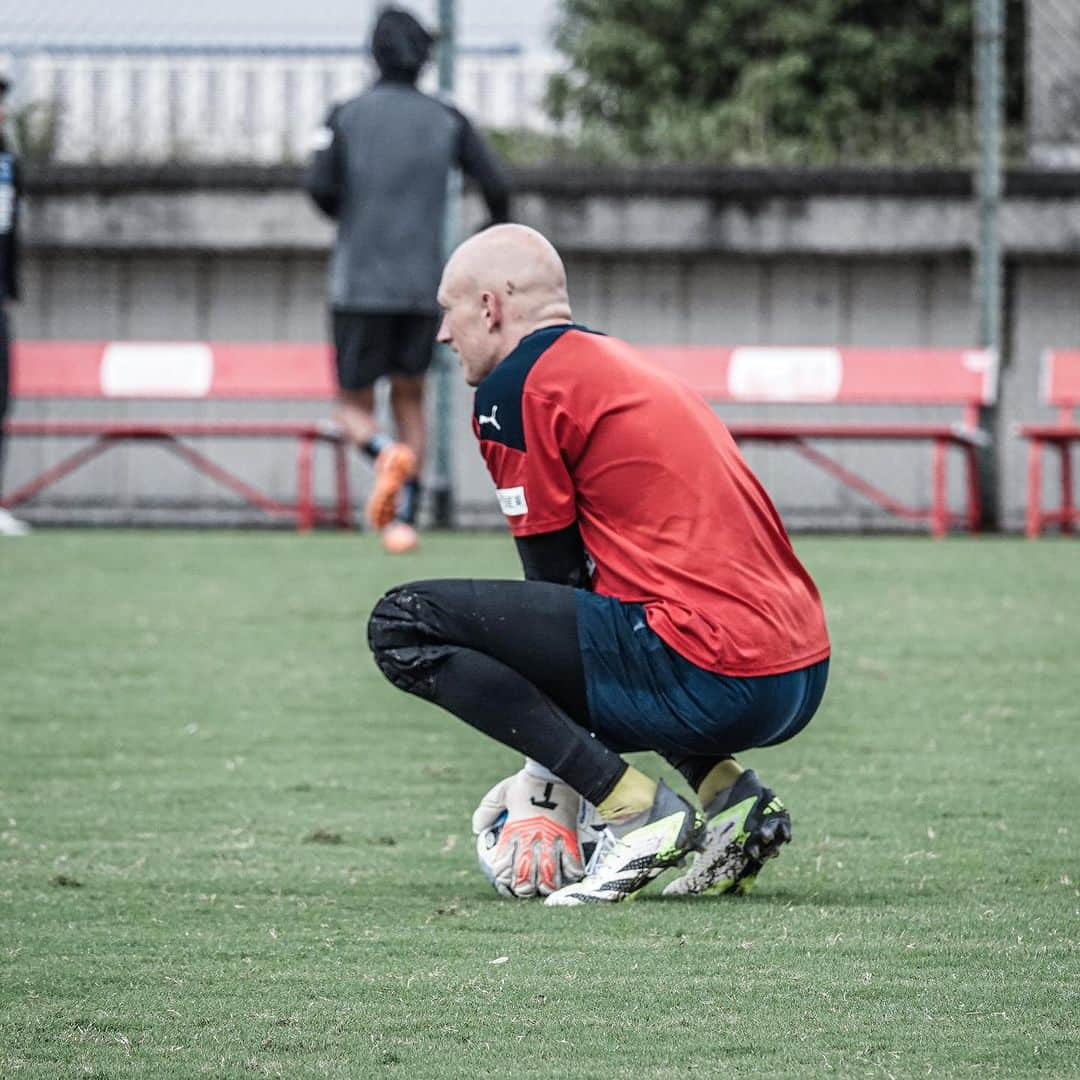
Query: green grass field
point(228, 847)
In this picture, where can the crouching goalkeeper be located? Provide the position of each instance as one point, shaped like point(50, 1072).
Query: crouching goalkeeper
point(663, 607)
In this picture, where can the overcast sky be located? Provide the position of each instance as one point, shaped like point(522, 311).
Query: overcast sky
point(162, 22)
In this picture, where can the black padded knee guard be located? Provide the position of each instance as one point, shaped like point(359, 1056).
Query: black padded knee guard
point(405, 643)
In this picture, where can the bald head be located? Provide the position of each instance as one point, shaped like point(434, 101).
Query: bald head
point(498, 286)
point(516, 262)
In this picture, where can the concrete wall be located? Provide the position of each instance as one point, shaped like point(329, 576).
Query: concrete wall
point(656, 256)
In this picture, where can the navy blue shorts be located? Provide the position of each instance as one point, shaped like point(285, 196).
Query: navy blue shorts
point(644, 696)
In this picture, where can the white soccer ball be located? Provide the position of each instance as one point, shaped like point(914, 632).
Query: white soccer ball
point(486, 842)
point(590, 830)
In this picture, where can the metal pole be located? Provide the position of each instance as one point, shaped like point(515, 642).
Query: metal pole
point(445, 368)
point(989, 42)
point(989, 52)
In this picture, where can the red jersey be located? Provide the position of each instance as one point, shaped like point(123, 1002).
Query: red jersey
point(575, 426)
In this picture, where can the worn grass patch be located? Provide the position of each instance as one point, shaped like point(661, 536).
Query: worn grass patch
point(228, 847)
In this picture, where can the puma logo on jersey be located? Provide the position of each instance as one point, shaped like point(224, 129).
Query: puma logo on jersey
point(491, 419)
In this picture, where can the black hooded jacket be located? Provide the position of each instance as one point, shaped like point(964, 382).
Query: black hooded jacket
point(400, 45)
point(380, 168)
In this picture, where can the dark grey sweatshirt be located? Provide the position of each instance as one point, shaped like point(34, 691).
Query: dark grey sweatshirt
point(380, 169)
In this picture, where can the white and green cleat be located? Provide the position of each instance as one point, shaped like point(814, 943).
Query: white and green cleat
point(621, 865)
point(745, 826)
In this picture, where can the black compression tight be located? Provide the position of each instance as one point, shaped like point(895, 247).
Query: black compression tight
point(503, 656)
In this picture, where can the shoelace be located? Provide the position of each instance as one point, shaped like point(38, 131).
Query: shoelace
point(604, 845)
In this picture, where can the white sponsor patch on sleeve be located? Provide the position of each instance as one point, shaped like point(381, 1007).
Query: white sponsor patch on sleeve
point(512, 501)
point(320, 139)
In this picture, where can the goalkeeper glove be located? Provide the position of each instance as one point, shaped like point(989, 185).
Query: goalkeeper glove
point(526, 830)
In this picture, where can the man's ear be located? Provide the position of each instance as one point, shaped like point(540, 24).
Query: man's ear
point(492, 306)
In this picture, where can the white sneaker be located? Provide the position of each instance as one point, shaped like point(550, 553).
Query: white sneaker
point(621, 866)
point(10, 525)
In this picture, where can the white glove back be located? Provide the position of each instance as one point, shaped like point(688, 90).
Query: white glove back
point(527, 835)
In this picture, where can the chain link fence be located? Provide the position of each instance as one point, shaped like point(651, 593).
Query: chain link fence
point(155, 103)
point(205, 91)
point(229, 81)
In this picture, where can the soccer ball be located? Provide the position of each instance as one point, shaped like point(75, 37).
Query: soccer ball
point(590, 830)
point(486, 842)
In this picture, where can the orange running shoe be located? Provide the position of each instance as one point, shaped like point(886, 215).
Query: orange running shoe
point(400, 537)
point(393, 467)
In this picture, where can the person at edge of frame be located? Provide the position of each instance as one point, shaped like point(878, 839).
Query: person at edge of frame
point(380, 168)
point(10, 194)
point(663, 607)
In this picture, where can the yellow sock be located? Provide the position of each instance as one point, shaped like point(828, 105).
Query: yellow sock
point(633, 794)
point(722, 775)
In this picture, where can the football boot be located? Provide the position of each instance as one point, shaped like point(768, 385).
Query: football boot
point(622, 865)
point(745, 825)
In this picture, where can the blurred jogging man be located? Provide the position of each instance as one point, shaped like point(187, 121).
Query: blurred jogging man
point(380, 169)
point(663, 608)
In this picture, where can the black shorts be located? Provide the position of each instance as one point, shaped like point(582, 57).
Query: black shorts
point(368, 345)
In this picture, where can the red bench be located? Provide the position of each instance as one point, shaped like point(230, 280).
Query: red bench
point(1061, 390)
point(965, 378)
point(195, 371)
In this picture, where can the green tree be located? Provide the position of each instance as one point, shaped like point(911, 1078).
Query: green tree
point(797, 81)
